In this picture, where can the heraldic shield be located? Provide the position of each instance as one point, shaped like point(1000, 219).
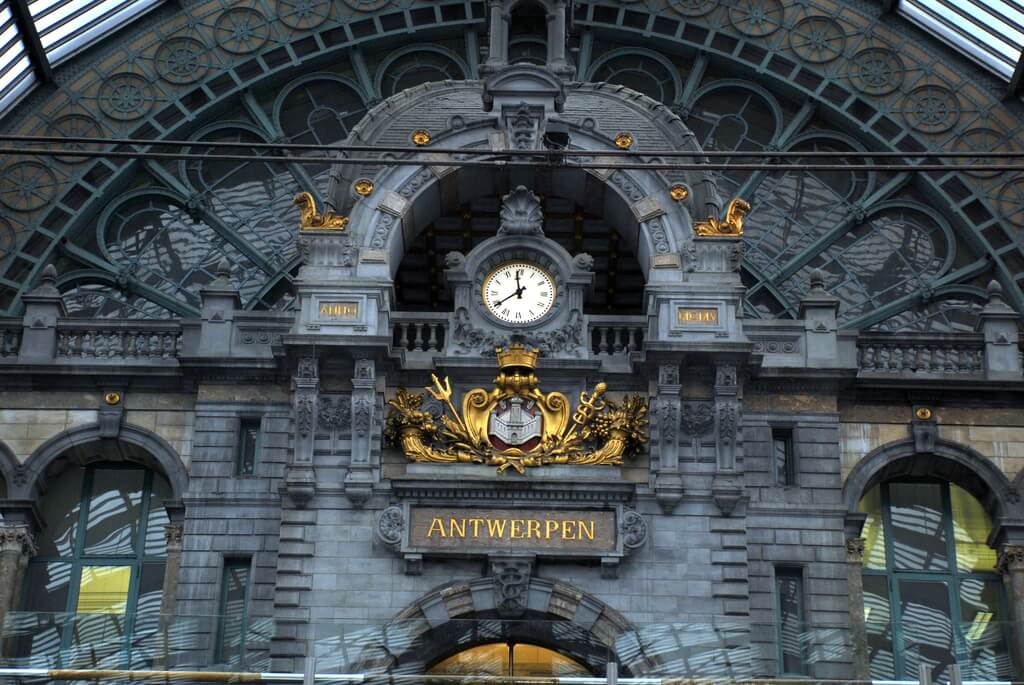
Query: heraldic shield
point(515, 425)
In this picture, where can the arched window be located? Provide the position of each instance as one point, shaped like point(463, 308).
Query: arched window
point(97, 578)
point(509, 658)
point(931, 592)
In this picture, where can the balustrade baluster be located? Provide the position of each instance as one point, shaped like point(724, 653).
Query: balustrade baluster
point(631, 347)
point(403, 336)
point(432, 340)
point(417, 343)
point(602, 344)
point(618, 339)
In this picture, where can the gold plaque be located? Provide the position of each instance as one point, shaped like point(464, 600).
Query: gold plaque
point(449, 528)
point(687, 316)
point(339, 310)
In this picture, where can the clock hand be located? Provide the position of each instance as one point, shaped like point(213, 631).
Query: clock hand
point(518, 293)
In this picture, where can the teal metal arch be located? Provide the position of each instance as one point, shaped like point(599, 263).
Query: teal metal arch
point(840, 93)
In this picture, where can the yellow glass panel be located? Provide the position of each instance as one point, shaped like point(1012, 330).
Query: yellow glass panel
point(873, 531)
point(483, 660)
point(531, 661)
point(104, 589)
point(971, 526)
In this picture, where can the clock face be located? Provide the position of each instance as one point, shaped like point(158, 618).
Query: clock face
point(519, 293)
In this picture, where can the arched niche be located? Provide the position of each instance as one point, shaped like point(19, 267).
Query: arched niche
point(463, 614)
point(85, 445)
point(949, 461)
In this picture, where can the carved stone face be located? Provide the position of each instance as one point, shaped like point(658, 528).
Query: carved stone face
point(518, 293)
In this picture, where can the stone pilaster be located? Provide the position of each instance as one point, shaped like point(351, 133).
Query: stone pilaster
point(668, 484)
point(1011, 566)
point(300, 478)
point(858, 628)
point(359, 480)
point(727, 486)
point(16, 547)
point(174, 534)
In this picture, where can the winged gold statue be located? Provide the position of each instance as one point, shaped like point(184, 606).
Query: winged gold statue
point(732, 226)
point(313, 220)
point(515, 425)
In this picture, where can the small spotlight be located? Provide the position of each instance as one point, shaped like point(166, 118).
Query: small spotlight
point(556, 135)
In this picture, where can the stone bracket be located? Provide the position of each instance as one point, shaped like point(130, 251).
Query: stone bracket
point(511, 583)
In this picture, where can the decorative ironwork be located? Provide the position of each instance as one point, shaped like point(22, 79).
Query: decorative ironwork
point(600, 431)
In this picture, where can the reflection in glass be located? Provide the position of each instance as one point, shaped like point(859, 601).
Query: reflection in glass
point(503, 658)
point(234, 612)
point(919, 536)
point(927, 627)
point(877, 620)
point(971, 526)
point(873, 531)
point(103, 589)
point(115, 508)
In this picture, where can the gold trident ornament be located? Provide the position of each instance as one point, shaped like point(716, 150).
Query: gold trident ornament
point(312, 220)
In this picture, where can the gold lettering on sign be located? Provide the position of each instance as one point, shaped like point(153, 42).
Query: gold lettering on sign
point(460, 529)
point(339, 310)
point(688, 316)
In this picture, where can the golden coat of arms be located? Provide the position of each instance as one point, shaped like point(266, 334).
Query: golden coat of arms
point(515, 425)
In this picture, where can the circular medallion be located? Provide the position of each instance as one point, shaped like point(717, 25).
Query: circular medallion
point(983, 140)
point(518, 293)
point(1011, 201)
point(818, 39)
point(74, 126)
point(757, 17)
point(181, 60)
point(366, 5)
point(125, 97)
point(303, 14)
point(241, 30)
point(693, 8)
point(931, 109)
point(27, 186)
point(876, 71)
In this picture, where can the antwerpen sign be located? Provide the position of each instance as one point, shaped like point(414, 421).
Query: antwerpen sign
point(436, 528)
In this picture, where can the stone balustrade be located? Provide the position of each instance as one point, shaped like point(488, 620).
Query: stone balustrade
point(105, 339)
point(615, 335)
point(10, 337)
point(419, 331)
point(960, 354)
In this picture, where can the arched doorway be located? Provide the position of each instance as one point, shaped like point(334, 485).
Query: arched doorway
point(509, 658)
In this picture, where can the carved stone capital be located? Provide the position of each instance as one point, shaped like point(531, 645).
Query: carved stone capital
point(1011, 559)
point(174, 535)
point(17, 538)
point(855, 550)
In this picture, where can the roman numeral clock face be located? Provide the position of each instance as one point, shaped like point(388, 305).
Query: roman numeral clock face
point(519, 293)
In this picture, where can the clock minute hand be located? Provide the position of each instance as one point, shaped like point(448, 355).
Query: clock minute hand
point(517, 293)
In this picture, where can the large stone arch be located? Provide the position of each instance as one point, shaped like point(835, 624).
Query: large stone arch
point(557, 615)
point(947, 460)
point(87, 444)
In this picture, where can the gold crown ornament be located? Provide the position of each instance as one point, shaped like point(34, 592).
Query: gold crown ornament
point(517, 356)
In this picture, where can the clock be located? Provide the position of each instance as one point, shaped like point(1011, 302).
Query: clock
point(518, 292)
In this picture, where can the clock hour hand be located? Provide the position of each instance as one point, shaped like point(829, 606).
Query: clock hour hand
point(518, 293)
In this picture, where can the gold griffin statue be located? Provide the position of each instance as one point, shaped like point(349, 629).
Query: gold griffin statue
point(500, 426)
point(731, 226)
point(310, 219)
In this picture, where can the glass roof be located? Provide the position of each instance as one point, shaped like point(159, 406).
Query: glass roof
point(64, 28)
point(991, 32)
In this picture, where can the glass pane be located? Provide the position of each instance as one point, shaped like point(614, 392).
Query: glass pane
point(919, 536)
point(233, 600)
point(104, 589)
point(983, 634)
point(971, 527)
point(156, 540)
point(873, 531)
point(789, 587)
point(248, 437)
point(534, 661)
point(483, 660)
point(877, 619)
point(97, 641)
point(38, 636)
point(114, 511)
point(146, 644)
point(926, 627)
point(60, 509)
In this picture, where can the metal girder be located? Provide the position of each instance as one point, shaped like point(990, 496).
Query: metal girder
point(33, 44)
point(1017, 80)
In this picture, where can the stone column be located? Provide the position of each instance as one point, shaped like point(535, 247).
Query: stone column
point(858, 627)
point(359, 480)
point(727, 484)
point(1011, 566)
point(173, 534)
point(300, 478)
point(668, 484)
point(16, 547)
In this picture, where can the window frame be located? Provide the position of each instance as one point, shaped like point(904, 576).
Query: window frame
point(784, 571)
point(220, 651)
point(789, 476)
point(952, 577)
point(80, 560)
point(243, 420)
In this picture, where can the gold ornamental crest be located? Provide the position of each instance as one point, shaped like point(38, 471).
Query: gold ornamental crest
point(515, 425)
